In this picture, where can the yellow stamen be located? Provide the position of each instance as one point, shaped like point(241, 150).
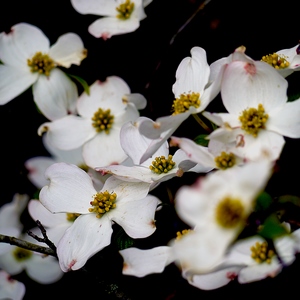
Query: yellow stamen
point(125, 10)
point(102, 120)
point(162, 164)
point(225, 160)
point(102, 203)
point(41, 63)
point(184, 102)
point(277, 61)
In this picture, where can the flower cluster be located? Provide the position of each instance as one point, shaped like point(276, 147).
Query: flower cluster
point(107, 161)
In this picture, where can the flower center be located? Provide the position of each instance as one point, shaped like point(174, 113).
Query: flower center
point(102, 203)
point(229, 212)
point(125, 10)
point(253, 120)
point(261, 253)
point(162, 164)
point(71, 217)
point(225, 160)
point(184, 102)
point(102, 120)
point(21, 254)
point(41, 63)
point(277, 61)
point(180, 234)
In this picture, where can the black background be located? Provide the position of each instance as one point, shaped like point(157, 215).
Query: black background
point(147, 60)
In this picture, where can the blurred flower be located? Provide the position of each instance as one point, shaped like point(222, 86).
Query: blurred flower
point(124, 203)
point(10, 289)
point(28, 60)
point(121, 16)
point(98, 123)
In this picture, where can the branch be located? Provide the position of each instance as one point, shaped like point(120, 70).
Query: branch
point(26, 245)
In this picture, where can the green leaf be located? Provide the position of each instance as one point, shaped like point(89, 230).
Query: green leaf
point(83, 83)
point(293, 97)
point(272, 228)
point(289, 199)
point(122, 240)
point(201, 140)
point(263, 201)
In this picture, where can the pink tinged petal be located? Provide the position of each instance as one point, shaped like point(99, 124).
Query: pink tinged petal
point(104, 150)
point(70, 190)
point(55, 95)
point(140, 263)
point(138, 100)
point(192, 73)
point(215, 279)
point(39, 212)
point(95, 7)
point(69, 132)
point(36, 167)
point(87, 236)
point(248, 84)
point(11, 288)
point(136, 216)
point(14, 82)
point(106, 27)
point(194, 152)
point(22, 43)
point(68, 50)
point(285, 121)
point(104, 94)
point(44, 270)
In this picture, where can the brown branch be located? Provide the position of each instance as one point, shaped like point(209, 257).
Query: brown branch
point(26, 245)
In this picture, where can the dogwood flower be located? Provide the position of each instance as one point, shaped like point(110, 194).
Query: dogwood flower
point(285, 61)
point(125, 203)
point(10, 288)
point(193, 91)
point(40, 268)
point(160, 167)
point(97, 126)
point(28, 60)
point(215, 156)
point(121, 16)
point(259, 115)
point(217, 207)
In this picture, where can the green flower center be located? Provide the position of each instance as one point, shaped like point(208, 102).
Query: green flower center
point(21, 254)
point(261, 253)
point(102, 120)
point(162, 164)
point(253, 120)
point(225, 160)
point(229, 212)
point(71, 217)
point(125, 10)
point(184, 102)
point(41, 63)
point(102, 203)
point(277, 61)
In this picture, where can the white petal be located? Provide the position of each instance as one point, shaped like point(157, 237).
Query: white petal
point(68, 50)
point(13, 82)
point(95, 7)
point(70, 190)
point(138, 100)
point(69, 132)
point(140, 263)
point(137, 217)
point(106, 27)
point(55, 95)
point(87, 236)
point(22, 43)
point(11, 288)
point(286, 120)
point(192, 73)
point(44, 270)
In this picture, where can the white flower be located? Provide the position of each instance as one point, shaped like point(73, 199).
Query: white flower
point(97, 126)
point(119, 17)
point(193, 91)
point(10, 289)
point(217, 207)
point(125, 203)
point(28, 60)
point(255, 96)
point(160, 167)
point(285, 61)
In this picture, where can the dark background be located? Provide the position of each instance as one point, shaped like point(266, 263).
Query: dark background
point(147, 60)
